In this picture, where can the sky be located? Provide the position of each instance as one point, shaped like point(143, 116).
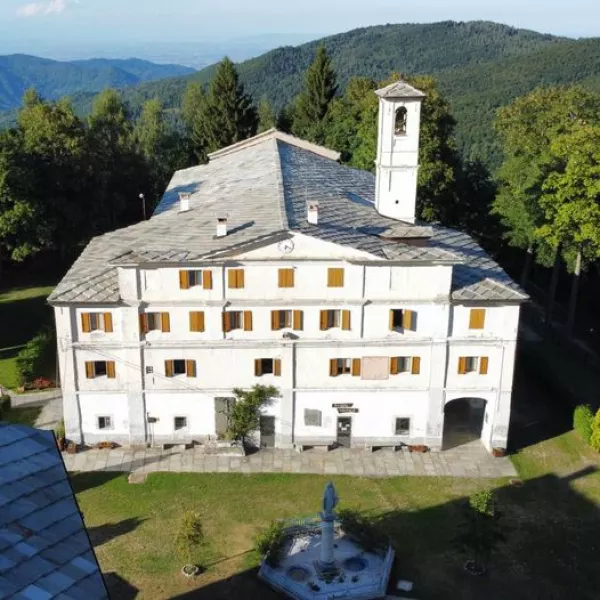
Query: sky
point(101, 23)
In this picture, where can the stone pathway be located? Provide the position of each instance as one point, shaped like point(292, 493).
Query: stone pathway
point(469, 460)
point(52, 413)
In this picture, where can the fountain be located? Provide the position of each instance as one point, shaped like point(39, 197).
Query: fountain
point(318, 560)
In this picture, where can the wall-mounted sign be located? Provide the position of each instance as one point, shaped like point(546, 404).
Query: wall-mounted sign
point(342, 411)
point(342, 405)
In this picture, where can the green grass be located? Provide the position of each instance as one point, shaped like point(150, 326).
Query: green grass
point(551, 523)
point(25, 415)
point(24, 312)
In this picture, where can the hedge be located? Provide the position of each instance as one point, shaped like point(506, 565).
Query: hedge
point(582, 421)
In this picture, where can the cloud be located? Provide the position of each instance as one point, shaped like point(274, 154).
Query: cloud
point(34, 9)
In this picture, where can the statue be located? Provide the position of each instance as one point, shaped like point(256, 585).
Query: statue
point(326, 566)
point(330, 500)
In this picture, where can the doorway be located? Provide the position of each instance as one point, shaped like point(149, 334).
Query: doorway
point(223, 408)
point(463, 421)
point(344, 432)
point(267, 432)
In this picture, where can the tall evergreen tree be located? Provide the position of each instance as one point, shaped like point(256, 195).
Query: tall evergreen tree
point(312, 105)
point(194, 110)
point(266, 115)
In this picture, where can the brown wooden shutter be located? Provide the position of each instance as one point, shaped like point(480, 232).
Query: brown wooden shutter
point(143, 323)
point(392, 320)
point(274, 320)
point(462, 365)
point(416, 365)
point(231, 279)
point(333, 372)
point(483, 365)
point(247, 320)
point(89, 370)
point(108, 322)
point(86, 325)
point(356, 367)
point(197, 321)
point(184, 280)
point(335, 277)
point(323, 320)
point(477, 318)
point(190, 368)
point(201, 324)
point(346, 320)
point(257, 367)
point(226, 322)
point(240, 278)
point(298, 320)
point(165, 322)
point(286, 278)
point(110, 369)
point(394, 367)
point(207, 279)
point(169, 368)
point(408, 319)
point(277, 367)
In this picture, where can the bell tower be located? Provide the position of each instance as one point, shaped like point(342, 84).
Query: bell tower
point(398, 151)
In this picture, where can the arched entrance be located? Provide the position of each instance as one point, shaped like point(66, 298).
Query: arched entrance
point(463, 421)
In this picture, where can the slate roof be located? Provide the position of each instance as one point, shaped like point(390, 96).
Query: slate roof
point(45, 551)
point(400, 89)
point(262, 185)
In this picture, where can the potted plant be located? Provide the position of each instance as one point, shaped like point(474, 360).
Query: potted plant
point(72, 448)
point(498, 452)
point(418, 448)
point(60, 435)
point(189, 537)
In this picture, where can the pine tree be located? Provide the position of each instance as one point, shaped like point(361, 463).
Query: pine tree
point(194, 109)
point(266, 116)
point(312, 105)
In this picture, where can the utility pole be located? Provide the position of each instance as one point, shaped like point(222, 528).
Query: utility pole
point(143, 199)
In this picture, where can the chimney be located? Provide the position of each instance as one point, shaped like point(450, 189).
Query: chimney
point(184, 201)
point(313, 212)
point(221, 226)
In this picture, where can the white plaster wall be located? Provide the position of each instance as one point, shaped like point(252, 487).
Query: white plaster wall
point(115, 406)
point(125, 370)
point(401, 150)
point(408, 283)
point(431, 321)
point(99, 336)
point(197, 407)
point(500, 322)
point(470, 381)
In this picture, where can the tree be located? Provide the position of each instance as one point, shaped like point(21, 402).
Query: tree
point(189, 537)
point(245, 415)
point(570, 201)
point(266, 116)
point(194, 110)
point(312, 105)
point(595, 437)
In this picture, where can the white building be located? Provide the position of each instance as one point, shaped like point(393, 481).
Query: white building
point(274, 264)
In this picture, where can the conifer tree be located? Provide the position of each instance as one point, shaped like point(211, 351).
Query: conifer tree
point(312, 105)
point(266, 116)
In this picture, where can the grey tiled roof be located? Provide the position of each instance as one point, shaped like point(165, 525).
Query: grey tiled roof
point(400, 89)
point(262, 186)
point(44, 548)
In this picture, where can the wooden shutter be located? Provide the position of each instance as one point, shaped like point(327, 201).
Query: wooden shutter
point(323, 320)
point(89, 370)
point(240, 278)
point(247, 320)
point(286, 278)
point(110, 369)
point(226, 322)
point(394, 366)
point(207, 279)
point(143, 323)
point(298, 320)
point(277, 367)
point(462, 365)
point(86, 325)
point(231, 279)
point(484, 362)
point(108, 322)
point(165, 322)
point(416, 365)
point(274, 320)
point(346, 320)
point(333, 372)
point(356, 367)
point(257, 367)
point(392, 320)
point(184, 280)
point(335, 277)
point(169, 368)
point(190, 368)
point(197, 321)
point(477, 318)
point(408, 317)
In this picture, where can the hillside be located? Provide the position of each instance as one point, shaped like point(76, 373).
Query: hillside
point(54, 79)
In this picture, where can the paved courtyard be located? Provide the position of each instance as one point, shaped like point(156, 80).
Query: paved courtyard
point(469, 460)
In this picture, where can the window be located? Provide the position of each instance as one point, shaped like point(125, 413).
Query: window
point(237, 320)
point(286, 278)
point(344, 366)
point(105, 423)
point(402, 426)
point(285, 319)
point(96, 322)
point(235, 278)
point(405, 364)
point(335, 318)
point(473, 364)
point(197, 321)
point(100, 368)
point(155, 322)
point(312, 418)
point(335, 277)
point(267, 366)
point(180, 423)
point(180, 367)
point(195, 278)
point(477, 318)
point(400, 122)
point(403, 319)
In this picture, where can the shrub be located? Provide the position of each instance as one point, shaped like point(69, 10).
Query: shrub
point(4, 404)
point(60, 430)
point(363, 530)
point(595, 437)
point(269, 543)
point(189, 536)
point(31, 358)
point(582, 421)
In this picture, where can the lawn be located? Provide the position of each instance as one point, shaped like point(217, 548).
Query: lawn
point(551, 522)
point(24, 415)
point(23, 312)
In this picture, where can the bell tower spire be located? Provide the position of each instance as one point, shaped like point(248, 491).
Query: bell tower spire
point(398, 151)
